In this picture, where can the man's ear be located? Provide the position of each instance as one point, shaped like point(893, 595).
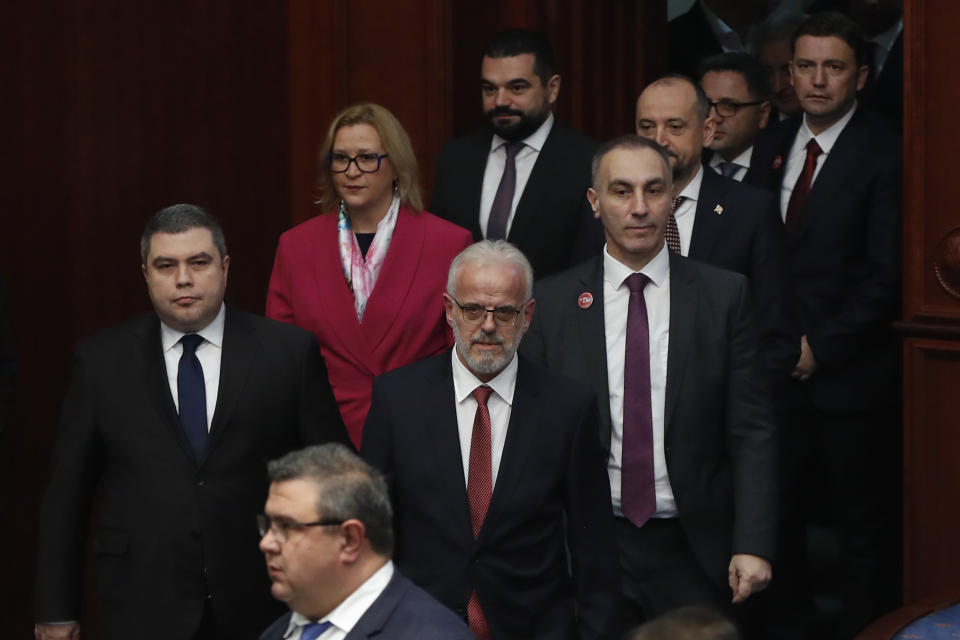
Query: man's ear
point(553, 88)
point(593, 197)
point(354, 533)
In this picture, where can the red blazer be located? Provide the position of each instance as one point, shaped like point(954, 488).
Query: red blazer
point(404, 319)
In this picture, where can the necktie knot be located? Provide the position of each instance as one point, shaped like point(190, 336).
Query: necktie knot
point(677, 202)
point(190, 342)
point(513, 148)
point(313, 630)
point(729, 169)
point(636, 282)
point(813, 149)
point(482, 394)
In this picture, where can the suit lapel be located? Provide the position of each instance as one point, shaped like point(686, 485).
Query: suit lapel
point(468, 209)
point(707, 225)
point(336, 299)
point(395, 279)
point(593, 343)
point(522, 432)
point(683, 309)
point(240, 351)
point(374, 619)
point(442, 431)
point(841, 165)
point(544, 170)
point(156, 384)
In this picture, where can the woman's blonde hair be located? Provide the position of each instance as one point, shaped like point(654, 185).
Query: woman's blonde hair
point(396, 144)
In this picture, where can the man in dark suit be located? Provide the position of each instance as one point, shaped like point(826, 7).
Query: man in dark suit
point(668, 347)
point(523, 178)
point(738, 88)
point(502, 507)
point(171, 417)
point(715, 219)
point(327, 535)
point(838, 172)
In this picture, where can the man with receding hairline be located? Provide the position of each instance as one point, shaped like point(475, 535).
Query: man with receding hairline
point(668, 346)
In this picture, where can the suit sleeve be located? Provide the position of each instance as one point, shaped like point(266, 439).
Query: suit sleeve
point(279, 304)
point(590, 534)
point(65, 511)
point(320, 419)
point(377, 445)
point(873, 303)
point(751, 440)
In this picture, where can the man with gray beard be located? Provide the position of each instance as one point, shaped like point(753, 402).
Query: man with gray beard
point(495, 469)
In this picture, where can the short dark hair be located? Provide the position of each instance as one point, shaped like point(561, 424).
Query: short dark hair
point(347, 488)
point(629, 141)
point(832, 23)
point(747, 65)
point(515, 42)
point(687, 623)
point(178, 219)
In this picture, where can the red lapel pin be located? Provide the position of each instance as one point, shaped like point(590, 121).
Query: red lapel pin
point(777, 162)
point(585, 300)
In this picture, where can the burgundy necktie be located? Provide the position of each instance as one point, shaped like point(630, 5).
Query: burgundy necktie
point(672, 233)
point(503, 201)
point(637, 491)
point(479, 490)
point(802, 188)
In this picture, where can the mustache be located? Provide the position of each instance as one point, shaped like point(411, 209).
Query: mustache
point(503, 111)
point(483, 336)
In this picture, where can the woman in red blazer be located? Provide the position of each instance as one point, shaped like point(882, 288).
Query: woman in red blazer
point(367, 275)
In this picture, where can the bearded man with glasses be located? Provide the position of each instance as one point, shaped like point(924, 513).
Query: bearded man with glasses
point(502, 507)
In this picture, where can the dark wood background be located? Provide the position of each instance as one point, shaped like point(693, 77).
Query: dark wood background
point(113, 109)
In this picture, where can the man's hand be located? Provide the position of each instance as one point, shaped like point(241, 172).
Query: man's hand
point(747, 575)
point(66, 631)
point(806, 365)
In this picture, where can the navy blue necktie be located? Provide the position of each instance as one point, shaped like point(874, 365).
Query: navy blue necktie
point(192, 393)
point(313, 630)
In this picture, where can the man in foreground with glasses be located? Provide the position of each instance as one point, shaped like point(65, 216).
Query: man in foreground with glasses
point(715, 219)
point(496, 473)
point(327, 536)
point(738, 88)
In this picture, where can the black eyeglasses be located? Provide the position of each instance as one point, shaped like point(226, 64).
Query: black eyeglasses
point(366, 162)
point(474, 313)
point(281, 527)
point(728, 108)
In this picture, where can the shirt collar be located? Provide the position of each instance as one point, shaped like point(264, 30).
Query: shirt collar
point(346, 614)
point(212, 333)
point(692, 190)
point(615, 272)
point(535, 140)
point(464, 382)
point(828, 137)
point(743, 159)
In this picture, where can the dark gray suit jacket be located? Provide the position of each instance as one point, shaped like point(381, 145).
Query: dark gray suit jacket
point(720, 440)
point(553, 211)
point(403, 611)
point(174, 535)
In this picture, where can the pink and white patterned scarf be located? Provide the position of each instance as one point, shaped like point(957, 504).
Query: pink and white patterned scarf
point(362, 274)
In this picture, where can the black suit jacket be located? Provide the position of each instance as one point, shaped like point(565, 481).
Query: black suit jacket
point(551, 496)
point(738, 227)
point(719, 438)
point(552, 212)
point(403, 611)
point(173, 534)
point(844, 260)
point(689, 40)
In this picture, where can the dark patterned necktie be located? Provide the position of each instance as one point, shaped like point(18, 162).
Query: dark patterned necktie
point(672, 233)
point(479, 490)
point(192, 396)
point(503, 201)
point(802, 188)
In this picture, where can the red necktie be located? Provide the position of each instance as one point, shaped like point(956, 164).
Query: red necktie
point(637, 491)
point(479, 490)
point(672, 233)
point(802, 189)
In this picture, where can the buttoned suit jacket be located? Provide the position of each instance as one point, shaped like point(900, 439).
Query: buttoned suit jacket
point(844, 260)
point(404, 320)
point(551, 495)
point(719, 438)
point(175, 534)
point(403, 611)
point(553, 212)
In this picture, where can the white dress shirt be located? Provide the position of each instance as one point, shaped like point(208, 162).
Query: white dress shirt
point(686, 213)
point(499, 404)
point(208, 353)
point(346, 614)
point(524, 161)
point(616, 301)
point(798, 155)
point(743, 160)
